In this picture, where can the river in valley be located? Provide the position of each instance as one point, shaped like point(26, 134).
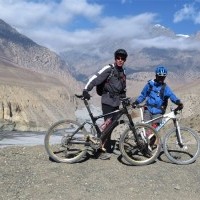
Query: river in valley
point(13, 138)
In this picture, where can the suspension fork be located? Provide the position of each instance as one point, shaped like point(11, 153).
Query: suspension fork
point(178, 133)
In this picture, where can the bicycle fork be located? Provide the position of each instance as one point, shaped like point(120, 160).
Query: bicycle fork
point(178, 134)
point(141, 142)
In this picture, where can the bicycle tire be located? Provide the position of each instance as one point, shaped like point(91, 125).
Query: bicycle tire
point(130, 151)
point(58, 142)
point(182, 155)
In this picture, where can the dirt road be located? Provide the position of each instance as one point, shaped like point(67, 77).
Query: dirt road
point(27, 173)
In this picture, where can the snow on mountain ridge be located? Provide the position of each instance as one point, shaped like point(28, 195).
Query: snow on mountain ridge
point(183, 35)
point(160, 26)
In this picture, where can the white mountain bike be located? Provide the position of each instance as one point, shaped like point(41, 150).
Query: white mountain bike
point(180, 144)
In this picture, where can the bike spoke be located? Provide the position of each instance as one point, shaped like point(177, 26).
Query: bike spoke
point(65, 143)
point(185, 152)
point(143, 152)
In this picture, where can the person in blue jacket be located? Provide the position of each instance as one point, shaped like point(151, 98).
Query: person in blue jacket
point(156, 93)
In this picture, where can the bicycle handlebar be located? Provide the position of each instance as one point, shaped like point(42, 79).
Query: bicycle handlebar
point(79, 96)
point(126, 99)
point(178, 108)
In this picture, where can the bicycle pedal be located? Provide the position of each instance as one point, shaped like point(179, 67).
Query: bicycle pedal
point(103, 149)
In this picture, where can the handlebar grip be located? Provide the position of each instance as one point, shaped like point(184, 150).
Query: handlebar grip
point(178, 108)
point(125, 101)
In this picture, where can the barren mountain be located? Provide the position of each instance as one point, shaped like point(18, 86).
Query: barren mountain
point(183, 66)
point(32, 101)
point(141, 59)
point(190, 93)
point(35, 86)
point(22, 51)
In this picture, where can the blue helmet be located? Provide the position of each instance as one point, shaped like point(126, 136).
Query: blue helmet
point(161, 71)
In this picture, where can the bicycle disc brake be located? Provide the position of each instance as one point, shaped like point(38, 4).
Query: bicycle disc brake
point(144, 148)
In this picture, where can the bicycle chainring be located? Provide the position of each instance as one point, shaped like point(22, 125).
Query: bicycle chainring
point(96, 144)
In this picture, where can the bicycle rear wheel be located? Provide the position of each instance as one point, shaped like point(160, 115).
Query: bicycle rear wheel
point(148, 149)
point(185, 154)
point(61, 146)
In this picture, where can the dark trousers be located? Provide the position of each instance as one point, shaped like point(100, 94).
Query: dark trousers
point(109, 144)
point(107, 109)
point(148, 116)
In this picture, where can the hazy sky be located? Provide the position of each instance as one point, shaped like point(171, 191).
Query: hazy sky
point(64, 24)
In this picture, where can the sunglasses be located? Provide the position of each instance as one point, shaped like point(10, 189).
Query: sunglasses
point(161, 76)
point(120, 58)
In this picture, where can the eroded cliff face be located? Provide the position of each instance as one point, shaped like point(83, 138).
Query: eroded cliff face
point(32, 101)
point(36, 87)
point(34, 109)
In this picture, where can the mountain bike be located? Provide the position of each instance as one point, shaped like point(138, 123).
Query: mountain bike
point(180, 144)
point(69, 141)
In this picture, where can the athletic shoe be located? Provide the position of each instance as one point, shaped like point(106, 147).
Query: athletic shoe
point(104, 156)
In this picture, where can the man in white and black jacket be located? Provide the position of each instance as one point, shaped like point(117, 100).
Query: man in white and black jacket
point(114, 87)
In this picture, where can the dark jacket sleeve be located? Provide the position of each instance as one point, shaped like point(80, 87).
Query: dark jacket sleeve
point(98, 78)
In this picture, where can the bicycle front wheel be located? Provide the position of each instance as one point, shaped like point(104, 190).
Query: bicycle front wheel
point(62, 145)
point(146, 150)
point(184, 153)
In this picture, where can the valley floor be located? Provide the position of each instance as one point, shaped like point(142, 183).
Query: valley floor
point(27, 173)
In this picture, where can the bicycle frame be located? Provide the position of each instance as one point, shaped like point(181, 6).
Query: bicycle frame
point(102, 135)
point(165, 119)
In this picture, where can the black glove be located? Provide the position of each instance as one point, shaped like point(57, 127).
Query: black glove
point(180, 106)
point(86, 95)
point(134, 104)
point(123, 95)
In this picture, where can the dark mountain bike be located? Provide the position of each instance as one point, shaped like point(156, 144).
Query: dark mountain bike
point(68, 141)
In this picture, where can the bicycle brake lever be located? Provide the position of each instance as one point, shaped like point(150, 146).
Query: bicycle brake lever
point(79, 96)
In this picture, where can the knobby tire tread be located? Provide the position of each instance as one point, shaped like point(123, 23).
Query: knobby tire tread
point(136, 162)
point(48, 148)
point(173, 132)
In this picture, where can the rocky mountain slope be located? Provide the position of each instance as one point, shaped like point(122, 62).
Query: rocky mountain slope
point(183, 65)
point(36, 87)
point(22, 51)
point(190, 93)
point(31, 101)
point(177, 58)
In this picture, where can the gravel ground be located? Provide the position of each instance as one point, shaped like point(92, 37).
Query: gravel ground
point(27, 173)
